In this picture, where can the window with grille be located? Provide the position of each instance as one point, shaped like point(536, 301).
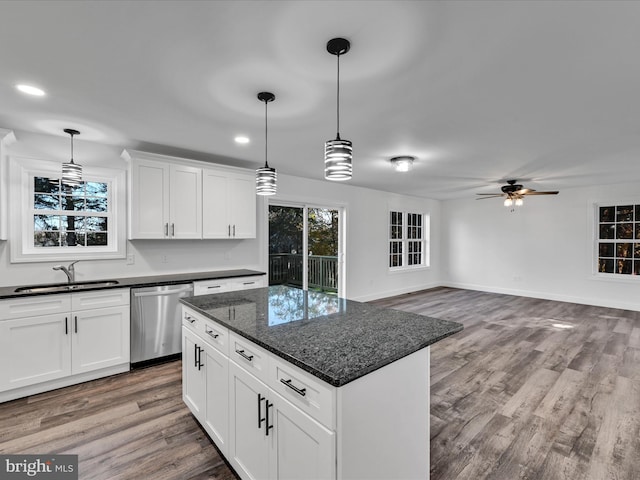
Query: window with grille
point(407, 240)
point(618, 232)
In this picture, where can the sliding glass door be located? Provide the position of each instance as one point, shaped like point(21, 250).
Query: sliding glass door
point(305, 247)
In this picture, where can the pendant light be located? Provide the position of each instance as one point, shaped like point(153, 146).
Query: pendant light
point(266, 176)
point(338, 152)
point(71, 172)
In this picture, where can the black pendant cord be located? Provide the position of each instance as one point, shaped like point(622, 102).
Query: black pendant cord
point(338, 100)
point(71, 147)
point(266, 164)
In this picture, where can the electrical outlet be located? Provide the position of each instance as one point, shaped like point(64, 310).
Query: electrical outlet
point(131, 259)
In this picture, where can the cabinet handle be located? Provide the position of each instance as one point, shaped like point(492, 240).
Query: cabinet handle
point(260, 417)
point(213, 286)
point(211, 333)
point(200, 364)
point(229, 234)
point(189, 318)
point(195, 355)
point(173, 229)
point(166, 229)
point(244, 355)
point(234, 230)
point(76, 321)
point(66, 326)
point(267, 426)
point(300, 391)
point(248, 283)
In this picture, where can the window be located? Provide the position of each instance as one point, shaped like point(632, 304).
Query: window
point(618, 249)
point(407, 240)
point(70, 216)
point(57, 222)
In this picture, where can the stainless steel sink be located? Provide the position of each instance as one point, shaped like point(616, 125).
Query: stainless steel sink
point(65, 287)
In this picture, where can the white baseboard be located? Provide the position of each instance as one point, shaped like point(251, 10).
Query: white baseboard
point(546, 296)
point(393, 293)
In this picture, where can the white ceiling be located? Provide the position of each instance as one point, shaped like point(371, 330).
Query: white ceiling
point(547, 92)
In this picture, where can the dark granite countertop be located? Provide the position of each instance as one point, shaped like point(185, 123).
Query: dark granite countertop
point(335, 339)
point(145, 281)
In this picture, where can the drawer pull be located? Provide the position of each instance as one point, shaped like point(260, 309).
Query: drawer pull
point(244, 355)
point(189, 318)
point(300, 391)
point(260, 417)
point(248, 283)
point(213, 286)
point(211, 333)
point(267, 426)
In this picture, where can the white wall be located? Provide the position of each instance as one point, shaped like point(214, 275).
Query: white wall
point(367, 274)
point(544, 249)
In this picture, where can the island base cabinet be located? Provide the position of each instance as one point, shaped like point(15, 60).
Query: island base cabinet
point(271, 439)
point(205, 373)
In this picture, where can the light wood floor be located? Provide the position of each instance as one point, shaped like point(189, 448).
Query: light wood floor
point(531, 389)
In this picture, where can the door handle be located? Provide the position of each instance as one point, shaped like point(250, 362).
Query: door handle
point(76, 321)
point(195, 355)
point(267, 426)
point(200, 364)
point(260, 417)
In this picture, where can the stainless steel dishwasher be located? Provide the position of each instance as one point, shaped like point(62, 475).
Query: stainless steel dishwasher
point(156, 322)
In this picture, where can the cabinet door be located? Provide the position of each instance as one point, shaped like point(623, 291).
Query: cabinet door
point(215, 199)
point(193, 374)
point(100, 338)
point(34, 350)
point(249, 445)
point(149, 199)
point(304, 449)
point(216, 421)
point(185, 206)
point(242, 204)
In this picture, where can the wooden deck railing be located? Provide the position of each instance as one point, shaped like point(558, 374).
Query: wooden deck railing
point(286, 268)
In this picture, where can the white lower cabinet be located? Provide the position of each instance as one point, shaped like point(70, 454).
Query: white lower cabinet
point(73, 338)
point(269, 438)
point(262, 435)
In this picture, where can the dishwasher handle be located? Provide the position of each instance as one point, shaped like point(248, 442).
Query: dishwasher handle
point(162, 292)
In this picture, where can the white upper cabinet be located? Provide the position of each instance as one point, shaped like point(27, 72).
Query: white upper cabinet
point(172, 198)
point(166, 200)
point(229, 201)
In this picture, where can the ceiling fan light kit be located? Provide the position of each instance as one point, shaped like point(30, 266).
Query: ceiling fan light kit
point(514, 194)
point(402, 164)
point(338, 153)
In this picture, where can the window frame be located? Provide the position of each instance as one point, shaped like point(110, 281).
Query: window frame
point(410, 235)
point(635, 260)
point(22, 174)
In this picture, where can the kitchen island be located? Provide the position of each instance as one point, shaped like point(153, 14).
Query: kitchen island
point(295, 384)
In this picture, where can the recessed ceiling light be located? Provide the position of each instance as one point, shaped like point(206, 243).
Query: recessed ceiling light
point(241, 139)
point(30, 90)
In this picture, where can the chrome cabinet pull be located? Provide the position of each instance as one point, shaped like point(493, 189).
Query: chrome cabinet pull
point(189, 318)
point(248, 283)
point(300, 391)
point(211, 333)
point(260, 417)
point(166, 229)
point(195, 355)
point(200, 364)
point(76, 320)
point(234, 230)
point(229, 234)
point(173, 229)
point(213, 286)
point(66, 326)
point(244, 355)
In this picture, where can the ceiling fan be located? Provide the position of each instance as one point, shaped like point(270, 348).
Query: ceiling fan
point(513, 194)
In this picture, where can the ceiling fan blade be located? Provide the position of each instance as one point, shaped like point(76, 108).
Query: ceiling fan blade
point(541, 193)
point(492, 196)
point(524, 191)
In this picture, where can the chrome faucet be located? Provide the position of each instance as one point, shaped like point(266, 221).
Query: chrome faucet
point(69, 271)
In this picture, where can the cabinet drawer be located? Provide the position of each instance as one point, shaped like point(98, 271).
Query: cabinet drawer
point(33, 306)
point(308, 393)
point(206, 287)
point(213, 333)
point(99, 298)
point(254, 281)
point(248, 355)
